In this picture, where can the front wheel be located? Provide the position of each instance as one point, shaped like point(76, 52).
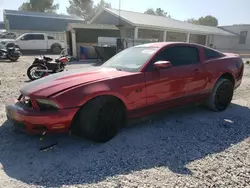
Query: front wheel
point(221, 95)
point(100, 119)
point(13, 58)
point(33, 74)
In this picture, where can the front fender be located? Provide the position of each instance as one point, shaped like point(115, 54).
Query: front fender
point(79, 95)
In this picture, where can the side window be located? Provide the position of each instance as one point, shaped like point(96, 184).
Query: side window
point(51, 38)
point(38, 37)
point(211, 54)
point(27, 37)
point(179, 55)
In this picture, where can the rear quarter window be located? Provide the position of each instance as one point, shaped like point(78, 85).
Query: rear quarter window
point(211, 54)
point(51, 38)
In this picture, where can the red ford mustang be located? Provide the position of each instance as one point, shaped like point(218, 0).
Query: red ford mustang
point(136, 82)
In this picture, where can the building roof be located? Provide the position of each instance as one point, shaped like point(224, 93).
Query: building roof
point(40, 15)
point(2, 25)
point(162, 23)
point(36, 21)
point(91, 26)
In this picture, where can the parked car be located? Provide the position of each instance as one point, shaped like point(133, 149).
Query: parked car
point(36, 41)
point(135, 82)
point(7, 35)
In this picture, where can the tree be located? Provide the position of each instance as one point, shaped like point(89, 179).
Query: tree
point(150, 11)
point(39, 6)
point(86, 8)
point(158, 12)
point(102, 4)
point(192, 20)
point(207, 20)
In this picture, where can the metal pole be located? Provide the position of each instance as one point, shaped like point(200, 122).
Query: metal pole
point(119, 12)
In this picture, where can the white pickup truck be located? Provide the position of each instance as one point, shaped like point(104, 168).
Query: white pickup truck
point(35, 41)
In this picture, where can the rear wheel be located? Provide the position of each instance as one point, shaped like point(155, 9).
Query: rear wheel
point(100, 119)
point(221, 95)
point(33, 74)
point(56, 49)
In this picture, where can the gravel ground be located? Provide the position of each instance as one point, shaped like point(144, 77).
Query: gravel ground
point(188, 147)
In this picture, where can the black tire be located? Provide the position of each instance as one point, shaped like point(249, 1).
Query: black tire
point(221, 95)
point(34, 76)
point(56, 49)
point(13, 58)
point(100, 119)
point(10, 45)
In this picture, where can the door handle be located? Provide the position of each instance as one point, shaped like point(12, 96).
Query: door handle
point(196, 71)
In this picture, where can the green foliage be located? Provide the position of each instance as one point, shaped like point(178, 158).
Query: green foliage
point(158, 12)
point(86, 8)
point(39, 6)
point(207, 20)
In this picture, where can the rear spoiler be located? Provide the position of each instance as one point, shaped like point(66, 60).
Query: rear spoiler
point(231, 54)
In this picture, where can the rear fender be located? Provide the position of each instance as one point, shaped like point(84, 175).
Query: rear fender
point(226, 75)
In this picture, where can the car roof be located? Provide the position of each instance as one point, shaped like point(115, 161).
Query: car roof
point(163, 44)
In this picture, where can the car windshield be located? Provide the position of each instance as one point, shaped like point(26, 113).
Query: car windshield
point(130, 59)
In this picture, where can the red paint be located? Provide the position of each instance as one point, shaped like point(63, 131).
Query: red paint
point(142, 92)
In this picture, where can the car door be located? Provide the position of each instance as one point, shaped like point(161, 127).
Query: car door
point(174, 82)
point(39, 42)
point(188, 58)
point(25, 42)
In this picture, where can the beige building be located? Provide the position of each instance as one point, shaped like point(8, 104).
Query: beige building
point(138, 25)
point(240, 44)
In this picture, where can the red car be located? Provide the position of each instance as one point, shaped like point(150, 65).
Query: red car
point(135, 82)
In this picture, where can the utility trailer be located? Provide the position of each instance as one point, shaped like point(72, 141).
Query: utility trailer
point(109, 46)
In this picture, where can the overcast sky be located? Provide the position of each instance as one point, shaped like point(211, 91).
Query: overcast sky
point(228, 12)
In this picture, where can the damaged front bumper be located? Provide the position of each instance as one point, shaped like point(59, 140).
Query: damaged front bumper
point(38, 122)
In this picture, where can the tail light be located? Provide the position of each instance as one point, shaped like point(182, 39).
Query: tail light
point(240, 68)
point(64, 59)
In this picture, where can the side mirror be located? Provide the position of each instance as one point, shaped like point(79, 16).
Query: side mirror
point(162, 64)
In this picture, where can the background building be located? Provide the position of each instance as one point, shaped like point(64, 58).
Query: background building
point(35, 22)
point(85, 36)
point(239, 45)
point(132, 25)
point(139, 25)
point(2, 26)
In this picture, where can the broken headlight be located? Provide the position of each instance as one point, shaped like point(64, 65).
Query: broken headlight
point(46, 105)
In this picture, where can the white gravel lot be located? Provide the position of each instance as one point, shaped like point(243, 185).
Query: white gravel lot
point(188, 147)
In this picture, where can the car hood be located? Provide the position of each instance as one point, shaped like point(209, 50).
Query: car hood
point(55, 83)
point(7, 40)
